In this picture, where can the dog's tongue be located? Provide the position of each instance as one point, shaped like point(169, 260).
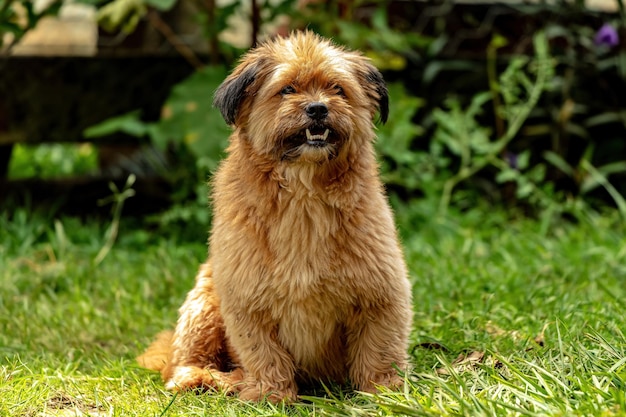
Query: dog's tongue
point(323, 136)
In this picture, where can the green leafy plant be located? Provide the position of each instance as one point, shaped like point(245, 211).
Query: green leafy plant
point(52, 160)
point(400, 164)
point(191, 131)
point(388, 47)
point(188, 120)
point(125, 14)
point(117, 200)
point(588, 177)
point(464, 137)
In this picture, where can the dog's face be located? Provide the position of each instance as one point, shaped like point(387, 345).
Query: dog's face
point(302, 99)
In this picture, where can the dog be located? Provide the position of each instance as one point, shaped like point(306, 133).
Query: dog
point(305, 279)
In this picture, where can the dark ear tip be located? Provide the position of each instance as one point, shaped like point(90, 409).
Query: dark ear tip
point(375, 78)
point(383, 101)
point(232, 91)
point(220, 103)
point(384, 109)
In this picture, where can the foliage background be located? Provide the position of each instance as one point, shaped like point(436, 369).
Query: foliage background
point(528, 113)
point(522, 105)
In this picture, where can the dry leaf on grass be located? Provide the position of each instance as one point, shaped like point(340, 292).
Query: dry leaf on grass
point(495, 330)
point(469, 362)
point(62, 405)
point(463, 363)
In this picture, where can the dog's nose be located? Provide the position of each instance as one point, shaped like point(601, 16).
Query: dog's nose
point(316, 110)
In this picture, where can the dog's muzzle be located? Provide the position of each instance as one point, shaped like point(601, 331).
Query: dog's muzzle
point(316, 135)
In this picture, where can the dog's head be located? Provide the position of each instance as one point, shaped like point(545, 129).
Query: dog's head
point(303, 99)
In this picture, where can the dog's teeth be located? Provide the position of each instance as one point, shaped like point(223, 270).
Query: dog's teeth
point(324, 136)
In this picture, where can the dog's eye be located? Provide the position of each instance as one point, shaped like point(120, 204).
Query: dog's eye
point(340, 91)
point(287, 90)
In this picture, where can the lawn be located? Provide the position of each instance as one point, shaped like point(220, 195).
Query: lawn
point(511, 318)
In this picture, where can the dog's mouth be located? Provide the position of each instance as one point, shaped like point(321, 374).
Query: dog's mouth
point(315, 138)
point(315, 142)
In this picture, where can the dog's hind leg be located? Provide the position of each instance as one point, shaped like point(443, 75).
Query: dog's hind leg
point(198, 353)
point(158, 354)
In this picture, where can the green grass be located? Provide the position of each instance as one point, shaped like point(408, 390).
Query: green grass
point(539, 316)
point(52, 160)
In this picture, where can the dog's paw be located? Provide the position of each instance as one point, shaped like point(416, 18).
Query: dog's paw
point(390, 380)
point(257, 391)
point(187, 378)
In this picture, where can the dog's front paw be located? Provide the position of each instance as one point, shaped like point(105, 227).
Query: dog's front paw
point(187, 378)
point(256, 391)
point(389, 380)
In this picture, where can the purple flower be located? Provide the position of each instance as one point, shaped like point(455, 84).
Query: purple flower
point(511, 159)
point(606, 35)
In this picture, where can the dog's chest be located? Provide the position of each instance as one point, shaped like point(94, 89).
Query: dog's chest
point(303, 244)
point(310, 300)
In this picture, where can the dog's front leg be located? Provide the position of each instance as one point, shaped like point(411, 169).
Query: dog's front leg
point(377, 345)
point(269, 367)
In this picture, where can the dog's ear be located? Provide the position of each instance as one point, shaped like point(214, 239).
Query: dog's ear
point(378, 83)
point(376, 88)
point(230, 94)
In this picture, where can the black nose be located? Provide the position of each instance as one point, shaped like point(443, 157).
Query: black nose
point(316, 110)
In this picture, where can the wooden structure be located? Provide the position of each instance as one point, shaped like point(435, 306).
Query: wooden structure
point(67, 75)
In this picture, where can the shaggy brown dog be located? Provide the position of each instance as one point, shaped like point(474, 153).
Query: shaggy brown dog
point(305, 279)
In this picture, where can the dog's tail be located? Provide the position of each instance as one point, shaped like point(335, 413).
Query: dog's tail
point(158, 354)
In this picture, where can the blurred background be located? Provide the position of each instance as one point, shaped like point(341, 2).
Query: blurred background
point(519, 104)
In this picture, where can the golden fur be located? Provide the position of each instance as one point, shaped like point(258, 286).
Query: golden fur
point(305, 279)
